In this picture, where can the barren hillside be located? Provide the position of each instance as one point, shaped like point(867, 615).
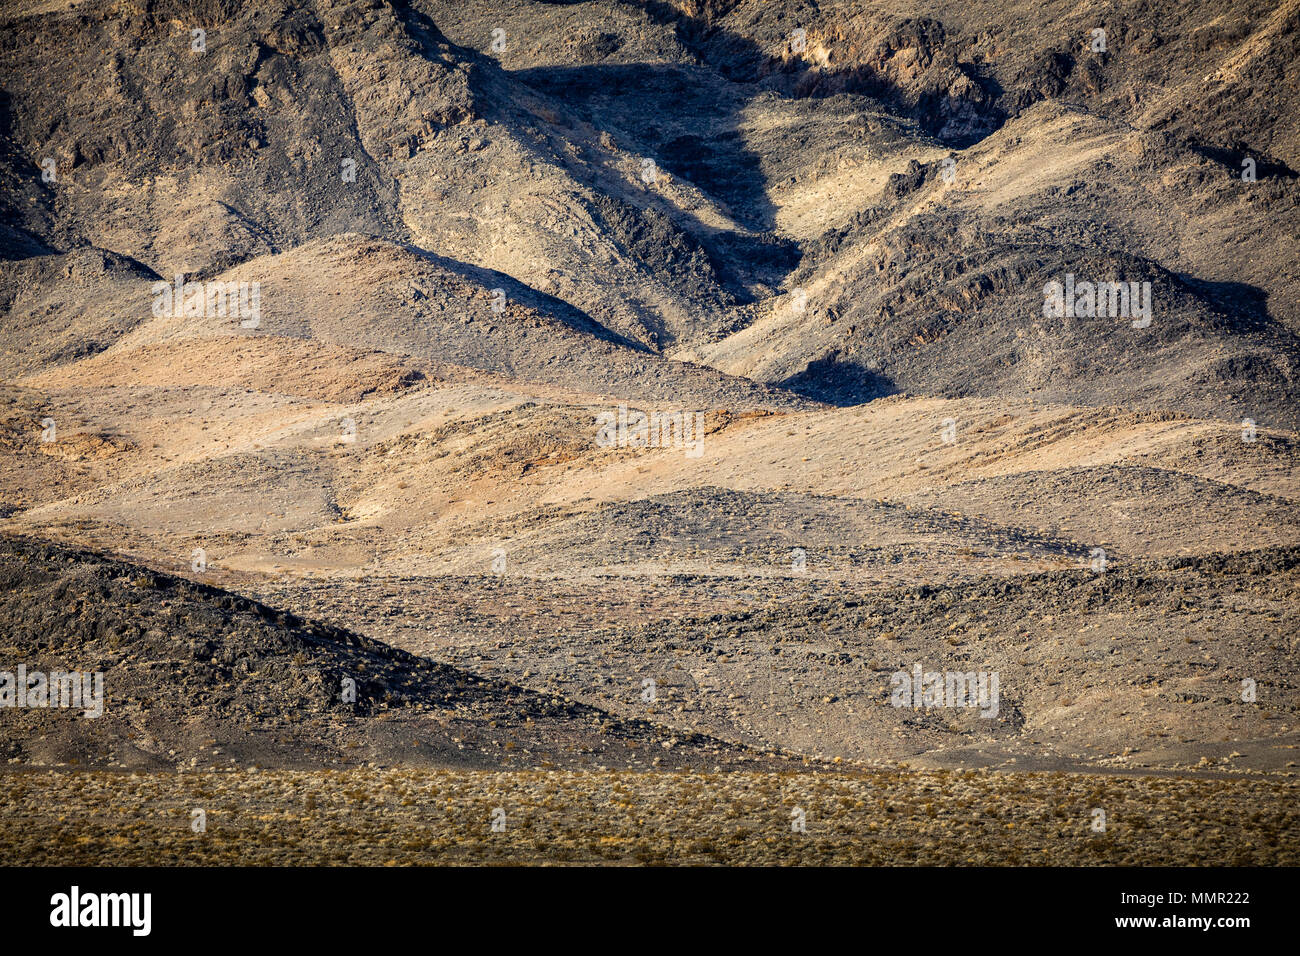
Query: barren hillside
point(645, 384)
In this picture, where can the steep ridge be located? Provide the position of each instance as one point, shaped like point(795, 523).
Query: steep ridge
point(361, 293)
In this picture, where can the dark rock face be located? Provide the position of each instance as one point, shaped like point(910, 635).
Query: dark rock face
point(277, 126)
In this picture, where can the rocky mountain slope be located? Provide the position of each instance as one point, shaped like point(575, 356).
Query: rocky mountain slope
point(643, 383)
point(193, 676)
point(760, 187)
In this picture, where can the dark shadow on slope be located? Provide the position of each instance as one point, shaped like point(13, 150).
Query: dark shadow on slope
point(1266, 167)
point(647, 101)
point(17, 212)
point(1244, 307)
point(185, 661)
point(718, 163)
point(689, 122)
point(958, 121)
point(708, 151)
point(526, 295)
point(839, 383)
point(720, 166)
point(17, 243)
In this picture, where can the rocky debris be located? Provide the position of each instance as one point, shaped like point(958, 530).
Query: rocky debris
point(195, 676)
point(530, 160)
point(829, 229)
